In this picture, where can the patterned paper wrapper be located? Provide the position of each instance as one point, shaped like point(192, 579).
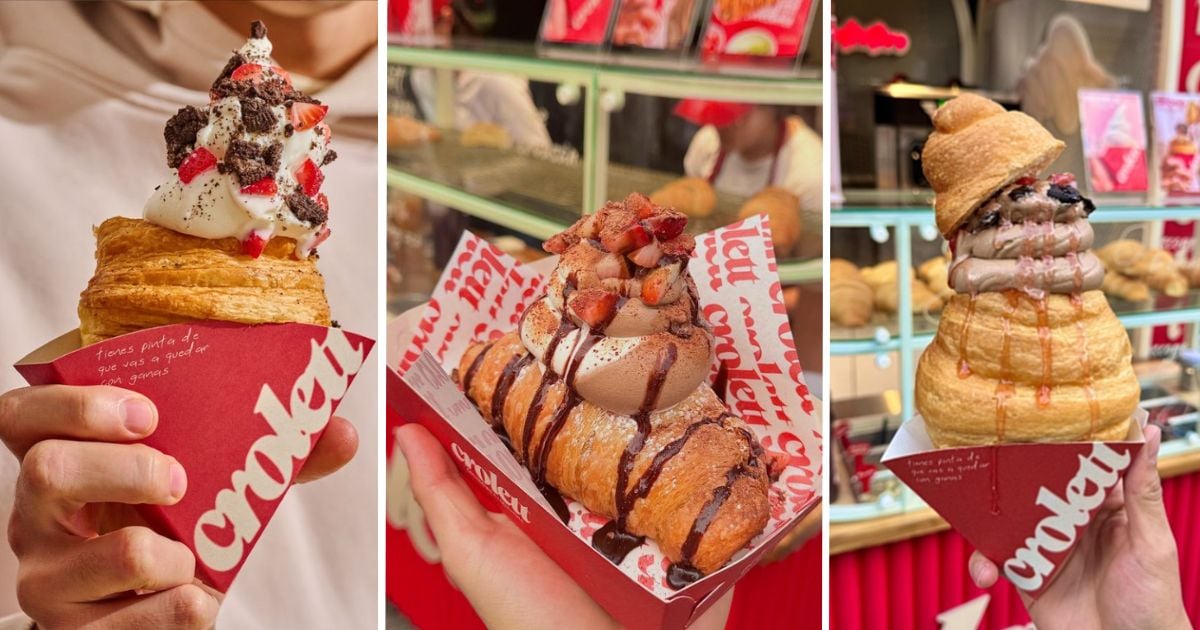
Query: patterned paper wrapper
point(240, 407)
point(482, 295)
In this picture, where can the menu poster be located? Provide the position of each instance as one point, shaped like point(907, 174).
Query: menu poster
point(582, 23)
point(665, 25)
point(757, 28)
point(1114, 141)
point(416, 18)
point(1176, 132)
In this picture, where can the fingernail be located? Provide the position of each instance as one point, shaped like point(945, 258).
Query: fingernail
point(178, 480)
point(137, 414)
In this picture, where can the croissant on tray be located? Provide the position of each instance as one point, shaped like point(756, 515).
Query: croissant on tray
point(602, 394)
point(149, 276)
point(1155, 267)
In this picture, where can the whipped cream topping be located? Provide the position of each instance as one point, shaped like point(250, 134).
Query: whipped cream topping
point(248, 165)
point(620, 318)
point(1032, 236)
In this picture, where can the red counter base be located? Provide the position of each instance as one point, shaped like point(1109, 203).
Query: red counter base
point(905, 585)
point(778, 595)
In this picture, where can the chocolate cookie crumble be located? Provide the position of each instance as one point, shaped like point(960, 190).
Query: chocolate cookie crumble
point(180, 133)
point(250, 162)
point(306, 209)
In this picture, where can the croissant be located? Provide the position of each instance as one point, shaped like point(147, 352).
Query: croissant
point(922, 300)
point(783, 209)
point(693, 196)
point(1191, 271)
point(602, 394)
point(1122, 286)
point(149, 276)
point(851, 300)
point(936, 274)
point(1155, 267)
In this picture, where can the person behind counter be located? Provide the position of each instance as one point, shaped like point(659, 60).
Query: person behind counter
point(742, 148)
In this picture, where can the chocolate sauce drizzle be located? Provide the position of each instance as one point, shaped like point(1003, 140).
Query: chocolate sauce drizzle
point(509, 376)
point(470, 375)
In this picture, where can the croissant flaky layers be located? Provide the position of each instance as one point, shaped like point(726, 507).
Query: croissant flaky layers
point(1005, 368)
point(149, 276)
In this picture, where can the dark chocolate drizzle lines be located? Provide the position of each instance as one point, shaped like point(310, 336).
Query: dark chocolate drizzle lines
point(478, 361)
point(504, 385)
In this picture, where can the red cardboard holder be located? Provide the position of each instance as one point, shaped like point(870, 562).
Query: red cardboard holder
point(240, 407)
point(482, 294)
point(1023, 506)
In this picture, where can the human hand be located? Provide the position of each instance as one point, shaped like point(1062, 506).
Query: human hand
point(85, 556)
point(1125, 572)
point(509, 581)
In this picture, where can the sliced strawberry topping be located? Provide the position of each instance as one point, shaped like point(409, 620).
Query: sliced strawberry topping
point(647, 255)
point(306, 115)
point(594, 306)
point(309, 177)
point(254, 245)
point(1063, 179)
point(640, 204)
point(1025, 181)
point(323, 201)
point(667, 224)
point(195, 163)
point(657, 284)
point(632, 237)
point(681, 245)
point(247, 72)
point(264, 186)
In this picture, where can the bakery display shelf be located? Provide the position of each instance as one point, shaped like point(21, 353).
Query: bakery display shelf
point(917, 215)
point(672, 79)
point(539, 197)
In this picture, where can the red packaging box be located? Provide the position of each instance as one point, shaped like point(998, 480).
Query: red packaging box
point(1023, 506)
point(482, 294)
point(240, 407)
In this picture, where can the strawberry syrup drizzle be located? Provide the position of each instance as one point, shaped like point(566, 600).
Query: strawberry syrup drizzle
point(964, 368)
point(1085, 364)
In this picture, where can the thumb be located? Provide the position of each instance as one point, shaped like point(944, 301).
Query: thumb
point(451, 510)
point(1143, 493)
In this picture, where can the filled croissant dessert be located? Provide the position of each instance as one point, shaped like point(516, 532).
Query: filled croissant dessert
point(233, 234)
point(1028, 349)
point(602, 394)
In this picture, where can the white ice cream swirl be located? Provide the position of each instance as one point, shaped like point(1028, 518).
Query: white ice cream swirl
point(248, 166)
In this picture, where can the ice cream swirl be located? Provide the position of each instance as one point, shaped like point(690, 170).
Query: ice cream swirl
point(248, 165)
point(1031, 236)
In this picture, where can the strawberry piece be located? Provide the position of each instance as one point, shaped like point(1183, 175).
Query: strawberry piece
point(1063, 179)
point(306, 115)
point(667, 224)
point(631, 238)
point(640, 205)
point(195, 163)
point(681, 245)
point(777, 462)
point(309, 177)
point(264, 186)
point(647, 255)
point(323, 201)
point(596, 307)
point(282, 74)
point(247, 72)
point(657, 284)
point(254, 245)
point(1026, 181)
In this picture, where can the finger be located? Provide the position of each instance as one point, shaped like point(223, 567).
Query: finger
point(450, 507)
point(188, 606)
point(128, 559)
point(715, 617)
point(32, 414)
point(1143, 494)
point(983, 572)
point(58, 477)
point(335, 449)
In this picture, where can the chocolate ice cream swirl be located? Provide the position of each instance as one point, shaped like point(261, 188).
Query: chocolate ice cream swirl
point(622, 326)
point(1032, 236)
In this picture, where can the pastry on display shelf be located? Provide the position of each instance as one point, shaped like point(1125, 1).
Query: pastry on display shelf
point(1191, 271)
point(485, 135)
point(1123, 287)
point(884, 282)
point(1028, 350)
point(232, 236)
point(602, 391)
point(1155, 267)
point(935, 272)
point(783, 210)
point(693, 196)
point(406, 131)
point(851, 300)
